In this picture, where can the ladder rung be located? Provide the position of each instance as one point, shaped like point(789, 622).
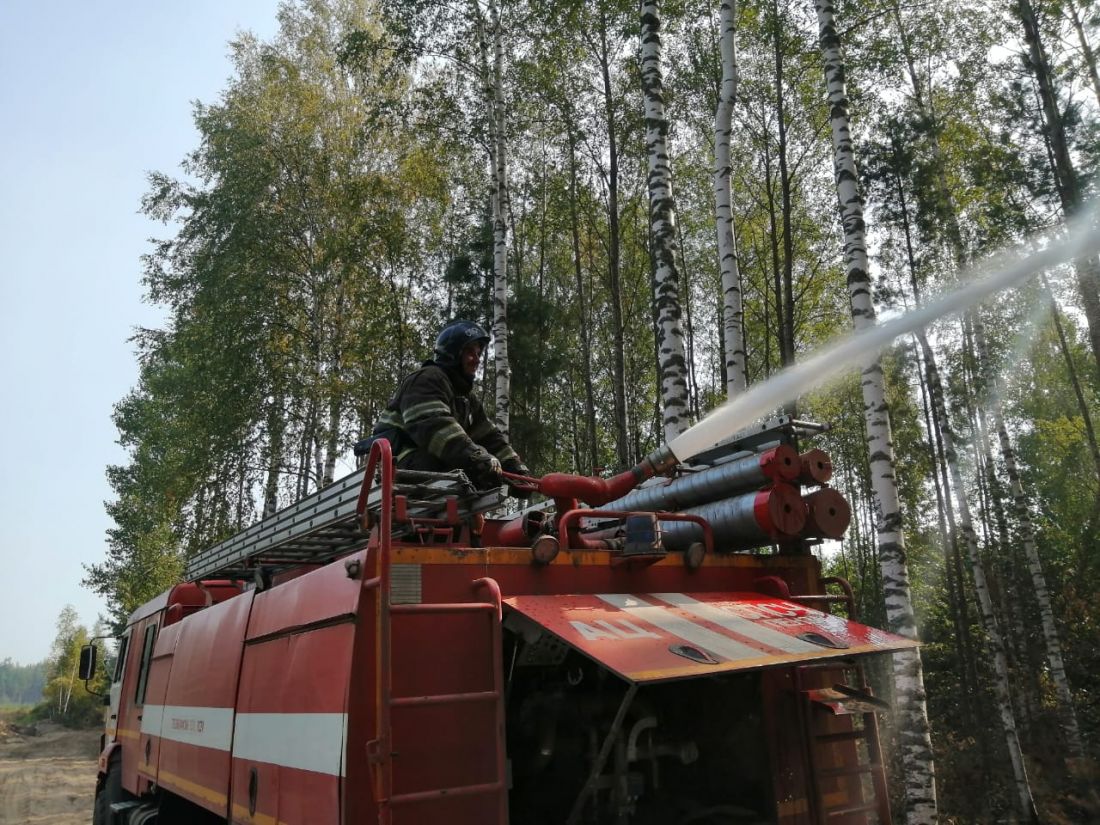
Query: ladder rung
point(461, 790)
point(444, 699)
point(850, 770)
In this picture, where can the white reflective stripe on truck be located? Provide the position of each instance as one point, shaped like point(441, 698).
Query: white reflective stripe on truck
point(306, 741)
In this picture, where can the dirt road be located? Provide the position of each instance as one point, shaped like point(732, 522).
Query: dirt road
point(47, 779)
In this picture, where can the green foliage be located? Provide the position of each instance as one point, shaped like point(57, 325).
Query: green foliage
point(63, 696)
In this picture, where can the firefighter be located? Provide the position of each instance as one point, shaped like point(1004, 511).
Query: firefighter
point(433, 422)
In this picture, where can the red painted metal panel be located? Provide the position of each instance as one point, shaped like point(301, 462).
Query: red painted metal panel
point(359, 805)
point(291, 724)
point(305, 798)
point(323, 594)
point(198, 705)
point(447, 744)
point(128, 731)
point(298, 673)
point(159, 672)
point(663, 636)
point(446, 572)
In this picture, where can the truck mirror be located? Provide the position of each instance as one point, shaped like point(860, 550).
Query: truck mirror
point(87, 662)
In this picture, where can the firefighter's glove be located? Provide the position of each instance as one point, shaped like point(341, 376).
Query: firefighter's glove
point(514, 465)
point(485, 471)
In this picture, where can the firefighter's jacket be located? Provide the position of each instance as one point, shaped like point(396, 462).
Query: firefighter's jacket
point(434, 423)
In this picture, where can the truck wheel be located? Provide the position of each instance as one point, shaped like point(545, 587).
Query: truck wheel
point(108, 795)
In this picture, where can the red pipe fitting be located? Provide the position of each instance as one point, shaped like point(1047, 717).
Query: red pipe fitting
point(780, 463)
point(815, 467)
point(597, 491)
point(828, 514)
point(780, 512)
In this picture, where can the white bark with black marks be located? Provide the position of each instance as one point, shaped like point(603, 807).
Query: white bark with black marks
point(492, 83)
point(914, 731)
point(732, 311)
point(994, 640)
point(503, 405)
point(662, 220)
point(1067, 716)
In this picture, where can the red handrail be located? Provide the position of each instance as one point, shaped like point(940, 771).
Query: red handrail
point(379, 748)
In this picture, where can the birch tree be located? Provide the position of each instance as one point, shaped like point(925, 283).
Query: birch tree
point(671, 363)
point(489, 31)
point(732, 312)
point(1066, 177)
point(1053, 644)
point(920, 787)
point(947, 207)
point(993, 637)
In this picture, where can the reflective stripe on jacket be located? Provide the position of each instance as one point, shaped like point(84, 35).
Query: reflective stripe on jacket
point(432, 423)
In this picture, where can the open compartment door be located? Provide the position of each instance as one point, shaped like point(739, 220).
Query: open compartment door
point(657, 637)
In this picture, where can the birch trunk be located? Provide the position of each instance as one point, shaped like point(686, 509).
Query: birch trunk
point(953, 573)
point(955, 240)
point(332, 438)
point(784, 301)
point(492, 80)
point(618, 337)
point(335, 389)
point(732, 311)
point(1001, 555)
point(662, 220)
point(318, 458)
point(689, 328)
point(591, 457)
point(503, 407)
point(915, 736)
point(994, 640)
point(1069, 186)
point(1086, 49)
point(276, 426)
point(306, 447)
point(944, 510)
point(1066, 714)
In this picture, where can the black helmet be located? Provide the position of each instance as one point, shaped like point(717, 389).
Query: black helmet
point(454, 337)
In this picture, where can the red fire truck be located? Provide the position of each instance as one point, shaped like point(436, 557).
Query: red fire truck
point(384, 652)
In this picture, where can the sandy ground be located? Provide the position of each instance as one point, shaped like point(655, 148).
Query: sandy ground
point(47, 779)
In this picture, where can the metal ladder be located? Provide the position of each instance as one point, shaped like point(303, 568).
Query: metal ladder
point(850, 698)
point(380, 749)
point(330, 522)
point(858, 704)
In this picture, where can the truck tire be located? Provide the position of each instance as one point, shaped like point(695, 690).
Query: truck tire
point(108, 795)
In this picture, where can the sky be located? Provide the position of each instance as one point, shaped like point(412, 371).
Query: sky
point(94, 96)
